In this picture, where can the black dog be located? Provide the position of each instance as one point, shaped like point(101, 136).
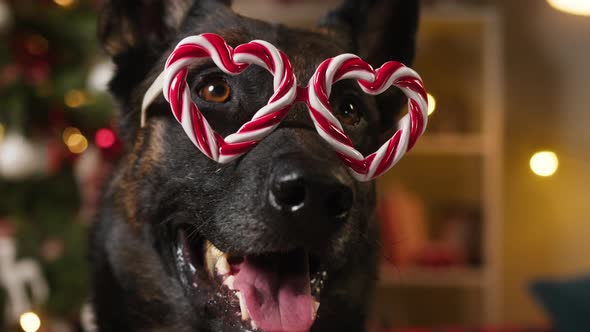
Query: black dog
point(286, 219)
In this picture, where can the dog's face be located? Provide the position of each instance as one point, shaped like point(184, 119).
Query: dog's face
point(185, 244)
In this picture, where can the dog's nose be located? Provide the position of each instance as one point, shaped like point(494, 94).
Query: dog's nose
point(287, 192)
point(297, 191)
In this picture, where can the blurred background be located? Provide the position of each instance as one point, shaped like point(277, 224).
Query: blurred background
point(485, 223)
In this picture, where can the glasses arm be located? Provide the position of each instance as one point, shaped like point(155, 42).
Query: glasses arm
point(150, 95)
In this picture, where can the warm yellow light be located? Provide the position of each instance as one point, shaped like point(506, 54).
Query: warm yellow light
point(77, 143)
point(431, 104)
point(68, 132)
point(2, 132)
point(64, 3)
point(75, 98)
point(544, 163)
point(576, 7)
point(30, 322)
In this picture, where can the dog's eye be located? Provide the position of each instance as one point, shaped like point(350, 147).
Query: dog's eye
point(215, 91)
point(348, 111)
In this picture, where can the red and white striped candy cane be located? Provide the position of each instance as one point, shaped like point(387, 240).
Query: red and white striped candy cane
point(346, 66)
point(232, 61)
point(411, 126)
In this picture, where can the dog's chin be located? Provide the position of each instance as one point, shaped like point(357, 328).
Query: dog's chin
point(271, 292)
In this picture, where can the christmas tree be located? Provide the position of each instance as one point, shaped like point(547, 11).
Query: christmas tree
point(56, 144)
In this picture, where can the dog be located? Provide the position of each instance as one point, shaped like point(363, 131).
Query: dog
point(286, 219)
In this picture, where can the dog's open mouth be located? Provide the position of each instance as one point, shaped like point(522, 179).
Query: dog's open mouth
point(273, 292)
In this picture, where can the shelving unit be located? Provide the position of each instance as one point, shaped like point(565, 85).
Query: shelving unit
point(460, 277)
point(479, 141)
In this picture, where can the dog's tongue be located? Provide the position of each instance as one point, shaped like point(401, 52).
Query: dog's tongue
point(276, 289)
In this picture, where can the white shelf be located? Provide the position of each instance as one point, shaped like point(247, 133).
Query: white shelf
point(449, 143)
point(485, 144)
point(459, 277)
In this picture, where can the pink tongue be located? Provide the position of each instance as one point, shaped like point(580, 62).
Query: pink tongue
point(277, 292)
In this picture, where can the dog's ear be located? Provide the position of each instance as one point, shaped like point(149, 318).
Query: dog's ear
point(134, 33)
point(378, 31)
point(127, 24)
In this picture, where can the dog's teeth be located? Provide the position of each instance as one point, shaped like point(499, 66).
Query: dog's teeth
point(243, 307)
point(229, 282)
point(222, 266)
point(316, 307)
point(210, 266)
point(214, 251)
point(212, 257)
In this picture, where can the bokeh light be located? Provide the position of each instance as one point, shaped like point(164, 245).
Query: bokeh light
point(100, 76)
point(64, 3)
point(105, 138)
point(431, 104)
point(75, 98)
point(544, 163)
point(77, 143)
point(576, 7)
point(69, 131)
point(30, 322)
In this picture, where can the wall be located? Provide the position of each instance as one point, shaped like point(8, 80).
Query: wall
point(547, 224)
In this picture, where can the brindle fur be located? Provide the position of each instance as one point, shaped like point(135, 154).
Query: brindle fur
point(164, 182)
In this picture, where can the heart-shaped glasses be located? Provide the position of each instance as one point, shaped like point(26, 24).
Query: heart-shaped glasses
point(172, 83)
